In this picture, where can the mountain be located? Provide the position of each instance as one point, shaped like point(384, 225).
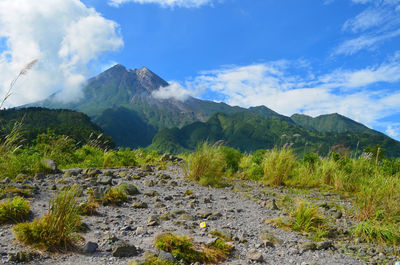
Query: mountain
point(121, 102)
point(248, 132)
point(332, 123)
point(36, 121)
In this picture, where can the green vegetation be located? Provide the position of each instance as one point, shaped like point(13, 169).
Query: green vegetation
point(36, 121)
point(248, 132)
point(373, 184)
point(14, 211)
point(66, 153)
point(212, 164)
point(278, 166)
point(184, 249)
point(56, 230)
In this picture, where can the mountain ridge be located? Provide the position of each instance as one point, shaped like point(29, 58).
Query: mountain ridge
point(121, 101)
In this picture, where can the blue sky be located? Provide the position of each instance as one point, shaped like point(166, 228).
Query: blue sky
point(310, 56)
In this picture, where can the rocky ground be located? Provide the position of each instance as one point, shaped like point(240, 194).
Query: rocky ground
point(165, 204)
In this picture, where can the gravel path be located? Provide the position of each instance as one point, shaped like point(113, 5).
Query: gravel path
point(163, 191)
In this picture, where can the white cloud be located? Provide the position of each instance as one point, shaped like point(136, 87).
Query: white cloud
point(370, 41)
point(272, 84)
point(365, 20)
point(165, 3)
point(64, 35)
point(378, 23)
point(174, 90)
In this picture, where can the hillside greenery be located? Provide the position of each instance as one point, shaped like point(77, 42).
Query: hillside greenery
point(334, 123)
point(35, 121)
point(249, 132)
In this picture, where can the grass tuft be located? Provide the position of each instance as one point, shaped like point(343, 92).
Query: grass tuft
point(14, 211)
point(56, 230)
point(184, 249)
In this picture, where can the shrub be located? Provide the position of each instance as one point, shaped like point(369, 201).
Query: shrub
point(306, 218)
point(56, 230)
point(232, 158)
point(278, 166)
point(184, 249)
point(372, 231)
point(14, 211)
point(207, 166)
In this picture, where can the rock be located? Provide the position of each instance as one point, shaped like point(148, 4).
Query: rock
point(72, 172)
point(272, 205)
point(131, 189)
point(151, 193)
point(124, 250)
point(254, 255)
point(146, 168)
point(268, 239)
point(203, 214)
point(325, 245)
point(90, 247)
point(99, 192)
point(39, 176)
point(50, 165)
point(166, 256)
point(153, 220)
point(104, 180)
point(139, 205)
point(308, 246)
point(186, 217)
point(7, 180)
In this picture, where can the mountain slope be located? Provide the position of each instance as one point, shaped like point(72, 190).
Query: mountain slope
point(335, 123)
point(36, 121)
point(249, 132)
point(132, 90)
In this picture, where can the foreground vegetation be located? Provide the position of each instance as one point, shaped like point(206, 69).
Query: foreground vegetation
point(371, 180)
point(18, 159)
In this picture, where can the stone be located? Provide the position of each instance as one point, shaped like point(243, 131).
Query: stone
point(90, 247)
point(104, 180)
point(325, 245)
point(99, 192)
point(308, 246)
point(72, 172)
point(203, 214)
point(139, 205)
point(131, 189)
point(272, 205)
point(146, 168)
point(254, 255)
point(124, 250)
point(39, 176)
point(153, 220)
point(50, 164)
point(166, 256)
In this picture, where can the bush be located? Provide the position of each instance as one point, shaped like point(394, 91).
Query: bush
point(278, 166)
point(207, 166)
point(14, 211)
point(372, 231)
point(184, 249)
point(56, 230)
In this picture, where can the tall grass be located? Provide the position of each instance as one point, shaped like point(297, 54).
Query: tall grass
point(56, 230)
point(278, 166)
point(207, 165)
